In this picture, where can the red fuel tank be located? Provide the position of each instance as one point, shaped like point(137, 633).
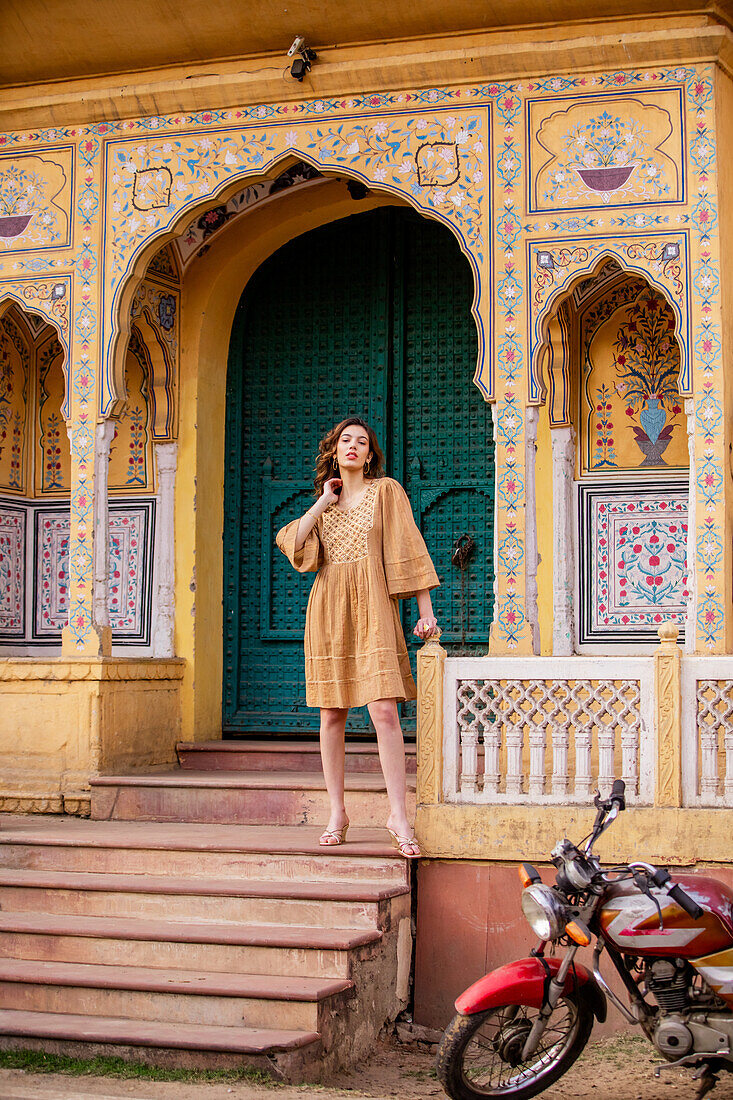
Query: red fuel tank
point(630, 920)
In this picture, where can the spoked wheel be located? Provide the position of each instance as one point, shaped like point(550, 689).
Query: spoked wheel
point(481, 1055)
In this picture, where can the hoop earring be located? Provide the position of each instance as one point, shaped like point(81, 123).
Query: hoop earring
point(334, 463)
point(367, 466)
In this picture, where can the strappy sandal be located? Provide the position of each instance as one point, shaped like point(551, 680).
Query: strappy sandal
point(331, 838)
point(402, 843)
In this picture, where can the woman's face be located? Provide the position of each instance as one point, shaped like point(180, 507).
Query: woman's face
point(352, 449)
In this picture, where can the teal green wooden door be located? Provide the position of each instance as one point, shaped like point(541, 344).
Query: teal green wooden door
point(372, 316)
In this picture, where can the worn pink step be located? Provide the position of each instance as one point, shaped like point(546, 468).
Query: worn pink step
point(25, 897)
point(286, 1051)
point(255, 798)
point(181, 996)
point(196, 850)
point(266, 755)
point(59, 871)
point(227, 948)
point(344, 905)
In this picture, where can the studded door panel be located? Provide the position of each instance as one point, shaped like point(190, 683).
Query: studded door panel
point(368, 316)
point(449, 455)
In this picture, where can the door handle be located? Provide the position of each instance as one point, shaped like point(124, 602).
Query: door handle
point(463, 550)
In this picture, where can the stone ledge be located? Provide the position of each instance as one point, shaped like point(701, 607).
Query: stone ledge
point(505, 54)
point(663, 835)
point(69, 669)
point(31, 803)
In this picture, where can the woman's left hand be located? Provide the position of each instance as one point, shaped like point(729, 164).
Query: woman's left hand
point(425, 628)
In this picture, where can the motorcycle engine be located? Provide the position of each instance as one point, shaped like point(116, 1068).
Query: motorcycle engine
point(669, 980)
point(673, 1038)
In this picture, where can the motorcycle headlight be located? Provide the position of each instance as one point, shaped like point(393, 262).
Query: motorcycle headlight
point(544, 911)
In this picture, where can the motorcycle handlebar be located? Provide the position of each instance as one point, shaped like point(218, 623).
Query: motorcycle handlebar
point(661, 878)
point(618, 793)
point(685, 902)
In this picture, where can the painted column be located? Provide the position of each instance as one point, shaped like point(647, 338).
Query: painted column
point(530, 525)
point(166, 455)
point(511, 633)
point(713, 559)
point(495, 548)
point(103, 436)
point(88, 632)
point(83, 636)
point(691, 614)
point(563, 560)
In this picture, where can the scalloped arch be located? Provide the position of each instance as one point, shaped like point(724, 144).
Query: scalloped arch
point(543, 311)
point(112, 390)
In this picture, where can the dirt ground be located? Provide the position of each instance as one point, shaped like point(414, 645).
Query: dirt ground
point(610, 1069)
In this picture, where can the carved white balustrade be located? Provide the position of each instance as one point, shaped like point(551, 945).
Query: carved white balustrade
point(521, 730)
point(707, 731)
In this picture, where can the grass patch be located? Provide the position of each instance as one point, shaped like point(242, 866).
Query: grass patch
point(621, 1050)
point(36, 1061)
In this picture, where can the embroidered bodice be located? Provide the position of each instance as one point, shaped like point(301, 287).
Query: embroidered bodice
point(345, 534)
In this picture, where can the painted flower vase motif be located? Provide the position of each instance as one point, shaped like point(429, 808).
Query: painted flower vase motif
point(653, 418)
point(13, 225)
point(606, 178)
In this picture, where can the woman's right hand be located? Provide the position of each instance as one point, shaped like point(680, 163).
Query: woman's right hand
point(329, 490)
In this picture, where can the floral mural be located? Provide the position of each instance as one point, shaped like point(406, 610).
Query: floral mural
point(647, 361)
point(35, 201)
point(631, 407)
point(636, 576)
point(628, 151)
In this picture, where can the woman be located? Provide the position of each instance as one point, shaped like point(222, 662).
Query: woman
point(362, 540)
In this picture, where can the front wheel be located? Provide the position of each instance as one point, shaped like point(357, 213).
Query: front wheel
point(481, 1055)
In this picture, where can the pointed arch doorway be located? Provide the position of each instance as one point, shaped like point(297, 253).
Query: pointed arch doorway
point(368, 315)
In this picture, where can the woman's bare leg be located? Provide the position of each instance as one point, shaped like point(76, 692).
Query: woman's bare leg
point(386, 721)
point(333, 729)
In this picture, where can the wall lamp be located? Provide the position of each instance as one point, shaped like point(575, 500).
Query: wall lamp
point(303, 58)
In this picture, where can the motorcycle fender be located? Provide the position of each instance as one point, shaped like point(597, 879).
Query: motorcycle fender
point(523, 982)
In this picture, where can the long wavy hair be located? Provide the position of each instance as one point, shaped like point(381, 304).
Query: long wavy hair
point(325, 468)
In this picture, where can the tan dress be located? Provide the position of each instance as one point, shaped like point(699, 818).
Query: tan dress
point(367, 559)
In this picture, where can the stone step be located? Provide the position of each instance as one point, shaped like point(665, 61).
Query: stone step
point(292, 1055)
point(222, 948)
point(266, 755)
point(238, 797)
point(173, 996)
point(251, 852)
point(321, 905)
point(75, 940)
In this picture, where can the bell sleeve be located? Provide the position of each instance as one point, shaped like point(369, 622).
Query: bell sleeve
point(309, 558)
point(407, 564)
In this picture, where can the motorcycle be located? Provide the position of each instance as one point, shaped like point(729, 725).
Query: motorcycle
point(520, 1028)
